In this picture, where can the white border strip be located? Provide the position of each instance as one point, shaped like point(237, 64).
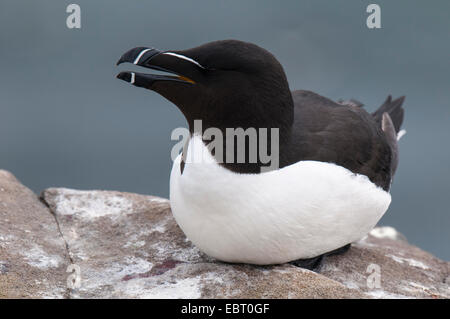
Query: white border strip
point(136, 61)
point(184, 58)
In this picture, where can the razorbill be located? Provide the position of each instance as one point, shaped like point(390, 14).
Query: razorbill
point(336, 161)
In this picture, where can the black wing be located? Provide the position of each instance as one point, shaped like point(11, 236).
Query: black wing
point(345, 135)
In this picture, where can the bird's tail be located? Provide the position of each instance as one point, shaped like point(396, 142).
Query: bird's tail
point(396, 113)
point(390, 116)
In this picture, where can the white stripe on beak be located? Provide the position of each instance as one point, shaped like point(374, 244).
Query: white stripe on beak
point(136, 61)
point(184, 58)
point(133, 78)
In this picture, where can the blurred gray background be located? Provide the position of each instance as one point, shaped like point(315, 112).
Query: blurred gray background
point(66, 121)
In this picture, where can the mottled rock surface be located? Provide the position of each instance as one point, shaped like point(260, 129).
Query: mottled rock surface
point(129, 246)
point(33, 256)
point(405, 270)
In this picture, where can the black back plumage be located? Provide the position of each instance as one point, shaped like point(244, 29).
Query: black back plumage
point(345, 135)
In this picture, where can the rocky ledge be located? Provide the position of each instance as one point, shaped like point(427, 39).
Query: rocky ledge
point(103, 244)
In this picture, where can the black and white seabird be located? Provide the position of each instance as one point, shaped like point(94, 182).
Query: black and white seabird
point(336, 161)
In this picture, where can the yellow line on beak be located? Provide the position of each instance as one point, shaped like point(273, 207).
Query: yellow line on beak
point(186, 79)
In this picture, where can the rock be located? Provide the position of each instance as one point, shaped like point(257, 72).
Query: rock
point(387, 232)
point(33, 256)
point(405, 271)
point(123, 245)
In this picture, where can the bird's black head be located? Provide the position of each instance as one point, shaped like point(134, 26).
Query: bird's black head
point(226, 83)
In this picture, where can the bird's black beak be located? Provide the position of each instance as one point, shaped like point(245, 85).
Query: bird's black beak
point(183, 69)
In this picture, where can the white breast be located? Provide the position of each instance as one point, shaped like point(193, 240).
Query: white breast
point(300, 211)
